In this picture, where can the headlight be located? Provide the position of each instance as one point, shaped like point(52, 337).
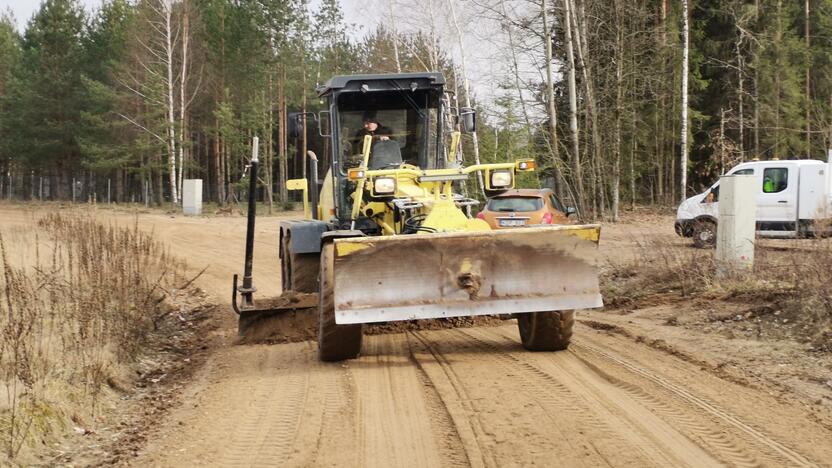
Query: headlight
point(384, 186)
point(500, 179)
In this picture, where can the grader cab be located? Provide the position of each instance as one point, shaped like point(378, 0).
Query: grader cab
point(388, 238)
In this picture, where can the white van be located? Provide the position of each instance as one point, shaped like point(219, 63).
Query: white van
point(792, 196)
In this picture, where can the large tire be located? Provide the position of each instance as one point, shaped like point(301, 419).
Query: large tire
point(704, 234)
point(546, 331)
point(335, 342)
point(299, 271)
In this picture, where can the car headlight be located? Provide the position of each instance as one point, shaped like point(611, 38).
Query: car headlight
point(500, 179)
point(384, 186)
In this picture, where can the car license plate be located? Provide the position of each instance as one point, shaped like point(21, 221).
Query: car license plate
point(512, 222)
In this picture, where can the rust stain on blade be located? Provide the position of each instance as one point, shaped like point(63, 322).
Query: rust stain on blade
point(461, 274)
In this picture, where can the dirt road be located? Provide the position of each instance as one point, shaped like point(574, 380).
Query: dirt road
point(461, 397)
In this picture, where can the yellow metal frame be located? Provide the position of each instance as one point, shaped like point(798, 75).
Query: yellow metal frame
point(432, 188)
point(301, 184)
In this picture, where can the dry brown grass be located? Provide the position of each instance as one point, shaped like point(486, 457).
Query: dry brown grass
point(77, 300)
point(790, 287)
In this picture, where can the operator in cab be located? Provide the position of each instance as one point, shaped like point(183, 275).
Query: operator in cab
point(373, 128)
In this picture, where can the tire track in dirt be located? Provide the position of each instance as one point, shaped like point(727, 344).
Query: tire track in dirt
point(785, 454)
point(652, 440)
point(451, 448)
point(541, 422)
point(723, 447)
point(395, 421)
point(456, 401)
point(267, 435)
point(336, 438)
point(709, 434)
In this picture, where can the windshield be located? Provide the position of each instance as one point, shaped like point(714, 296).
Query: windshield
point(404, 121)
point(515, 204)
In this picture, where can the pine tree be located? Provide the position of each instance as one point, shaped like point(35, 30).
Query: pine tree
point(50, 93)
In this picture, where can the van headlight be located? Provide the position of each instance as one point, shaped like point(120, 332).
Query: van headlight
point(384, 186)
point(500, 179)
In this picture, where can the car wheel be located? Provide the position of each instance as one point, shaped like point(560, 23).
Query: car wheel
point(704, 234)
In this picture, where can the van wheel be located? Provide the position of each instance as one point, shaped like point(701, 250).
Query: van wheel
point(704, 234)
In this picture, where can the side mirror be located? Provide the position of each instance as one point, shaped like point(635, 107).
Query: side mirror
point(324, 124)
point(294, 124)
point(468, 120)
point(570, 211)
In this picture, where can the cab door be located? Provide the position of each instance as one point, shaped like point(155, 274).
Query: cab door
point(777, 200)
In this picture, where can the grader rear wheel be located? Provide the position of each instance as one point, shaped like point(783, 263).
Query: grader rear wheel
point(546, 331)
point(299, 271)
point(335, 342)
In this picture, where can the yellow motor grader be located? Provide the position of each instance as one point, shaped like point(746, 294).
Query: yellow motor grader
point(386, 236)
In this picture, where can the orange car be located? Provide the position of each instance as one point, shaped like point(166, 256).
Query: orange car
point(524, 207)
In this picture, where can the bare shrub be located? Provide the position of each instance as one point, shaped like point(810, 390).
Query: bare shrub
point(658, 267)
point(790, 279)
point(70, 318)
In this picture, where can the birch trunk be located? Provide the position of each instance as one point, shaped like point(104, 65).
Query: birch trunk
point(582, 50)
point(551, 108)
point(392, 17)
point(573, 110)
point(619, 96)
point(169, 85)
point(740, 99)
point(183, 88)
point(467, 88)
point(683, 159)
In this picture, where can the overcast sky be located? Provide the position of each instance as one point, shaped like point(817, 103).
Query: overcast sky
point(24, 9)
point(363, 13)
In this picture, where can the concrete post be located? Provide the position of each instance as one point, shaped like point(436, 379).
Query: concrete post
point(737, 224)
point(192, 197)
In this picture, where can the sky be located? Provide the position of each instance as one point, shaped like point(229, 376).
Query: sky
point(23, 10)
point(363, 13)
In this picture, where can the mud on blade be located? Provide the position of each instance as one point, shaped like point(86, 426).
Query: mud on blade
point(382, 279)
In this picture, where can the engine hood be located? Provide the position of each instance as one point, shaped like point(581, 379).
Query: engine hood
point(692, 207)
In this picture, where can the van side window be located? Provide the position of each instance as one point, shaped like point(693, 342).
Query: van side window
point(775, 179)
point(744, 172)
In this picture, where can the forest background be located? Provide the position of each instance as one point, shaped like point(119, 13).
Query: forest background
point(122, 103)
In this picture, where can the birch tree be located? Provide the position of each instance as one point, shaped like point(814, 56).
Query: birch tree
point(574, 157)
point(683, 159)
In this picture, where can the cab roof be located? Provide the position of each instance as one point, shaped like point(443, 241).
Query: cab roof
point(382, 82)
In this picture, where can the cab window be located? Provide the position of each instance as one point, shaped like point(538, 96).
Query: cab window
point(744, 172)
point(775, 179)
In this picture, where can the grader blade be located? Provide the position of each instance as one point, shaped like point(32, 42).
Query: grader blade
point(382, 279)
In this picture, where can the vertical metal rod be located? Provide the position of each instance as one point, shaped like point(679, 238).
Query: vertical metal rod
point(73, 190)
point(313, 183)
point(247, 289)
point(108, 191)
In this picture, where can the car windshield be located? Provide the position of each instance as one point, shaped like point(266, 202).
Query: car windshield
point(515, 204)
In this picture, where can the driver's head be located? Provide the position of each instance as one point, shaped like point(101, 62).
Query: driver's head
point(370, 121)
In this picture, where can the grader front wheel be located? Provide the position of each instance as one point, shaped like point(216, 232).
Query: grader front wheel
point(546, 331)
point(335, 342)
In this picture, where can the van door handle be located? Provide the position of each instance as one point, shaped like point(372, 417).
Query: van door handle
point(782, 201)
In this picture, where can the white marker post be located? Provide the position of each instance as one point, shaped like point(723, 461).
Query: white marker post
point(737, 224)
point(192, 197)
